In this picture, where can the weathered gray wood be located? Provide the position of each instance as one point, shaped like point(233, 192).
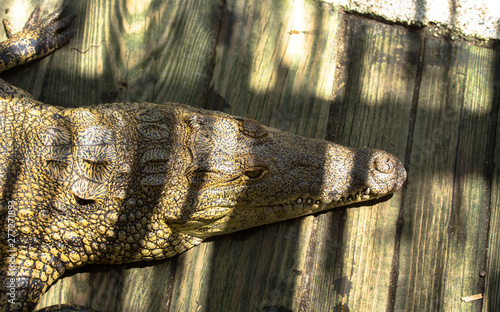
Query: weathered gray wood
point(371, 107)
point(492, 270)
point(446, 206)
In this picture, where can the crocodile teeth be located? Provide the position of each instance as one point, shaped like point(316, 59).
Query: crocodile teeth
point(304, 201)
point(356, 197)
point(362, 195)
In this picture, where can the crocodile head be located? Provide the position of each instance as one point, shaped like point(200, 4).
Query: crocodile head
point(244, 174)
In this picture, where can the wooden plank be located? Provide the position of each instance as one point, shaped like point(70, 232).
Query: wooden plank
point(491, 299)
point(469, 218)
point(445, 208)
point(371, 107)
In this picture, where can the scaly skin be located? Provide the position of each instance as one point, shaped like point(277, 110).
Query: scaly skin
point(128, 182)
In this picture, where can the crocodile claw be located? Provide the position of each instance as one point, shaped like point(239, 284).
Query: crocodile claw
point(9, 28)
point(54, 25)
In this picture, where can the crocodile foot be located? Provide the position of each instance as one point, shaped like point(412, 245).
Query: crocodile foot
point(37, 38)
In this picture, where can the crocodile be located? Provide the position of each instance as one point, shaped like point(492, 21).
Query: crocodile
point(124, 182)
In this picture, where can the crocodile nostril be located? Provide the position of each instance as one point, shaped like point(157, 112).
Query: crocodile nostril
point(384, 164)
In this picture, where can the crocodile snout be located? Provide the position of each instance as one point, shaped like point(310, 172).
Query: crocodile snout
point(354, 175)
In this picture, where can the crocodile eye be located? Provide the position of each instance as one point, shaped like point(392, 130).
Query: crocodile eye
point(254, 174)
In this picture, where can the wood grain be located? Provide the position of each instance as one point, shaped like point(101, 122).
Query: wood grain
point(492, 271)
point(301, 66)
point(371, 107)
point(445, 210)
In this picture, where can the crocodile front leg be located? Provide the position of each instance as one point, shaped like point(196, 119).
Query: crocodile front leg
point(37, 38)
point(25, 275)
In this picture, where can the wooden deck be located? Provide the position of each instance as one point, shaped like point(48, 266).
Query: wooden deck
point(305, 67)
